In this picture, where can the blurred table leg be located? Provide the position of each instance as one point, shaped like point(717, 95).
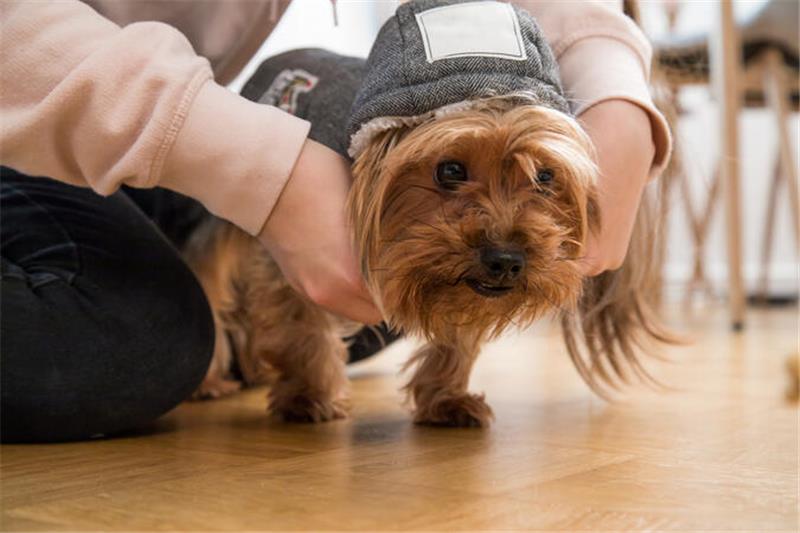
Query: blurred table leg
point(725, 67)
point(778, 89)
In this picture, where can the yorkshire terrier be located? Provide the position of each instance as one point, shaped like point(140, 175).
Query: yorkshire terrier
point(470, 215)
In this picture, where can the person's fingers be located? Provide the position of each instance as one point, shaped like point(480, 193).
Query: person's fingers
point(591, 270)
point(590, 263)
point(357, 303)
point(343, 295)
point(362, 311)
point(358, 288)
point(349, 305)
point(593, 267)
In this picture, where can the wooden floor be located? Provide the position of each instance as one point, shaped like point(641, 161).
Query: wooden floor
point(718, 453)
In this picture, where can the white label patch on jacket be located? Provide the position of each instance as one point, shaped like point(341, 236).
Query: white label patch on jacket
point(286, 87)
point(474, 29)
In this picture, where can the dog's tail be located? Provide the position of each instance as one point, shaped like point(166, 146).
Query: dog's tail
point(618, 316)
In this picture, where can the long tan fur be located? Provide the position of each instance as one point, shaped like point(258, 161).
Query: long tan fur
point(277, 336)
point(420, 247)
point(617, 318)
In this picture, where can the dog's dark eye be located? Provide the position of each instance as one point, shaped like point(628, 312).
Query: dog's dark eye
point(544, 176)
point(450, 174)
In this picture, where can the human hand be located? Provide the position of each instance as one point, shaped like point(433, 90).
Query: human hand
point(622, 136)
point(308, 235)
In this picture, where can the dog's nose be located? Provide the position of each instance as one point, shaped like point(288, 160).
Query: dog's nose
point(503, 263)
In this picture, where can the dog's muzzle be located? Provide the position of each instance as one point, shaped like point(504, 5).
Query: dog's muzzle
point(501, 269)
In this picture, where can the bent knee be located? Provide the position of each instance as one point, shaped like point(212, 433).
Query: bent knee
point(80, 360)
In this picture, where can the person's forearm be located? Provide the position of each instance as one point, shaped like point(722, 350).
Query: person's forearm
point(89, 103)
point(620, 132)
point(234, 156)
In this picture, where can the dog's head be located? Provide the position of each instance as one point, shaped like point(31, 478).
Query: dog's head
point(476, 219)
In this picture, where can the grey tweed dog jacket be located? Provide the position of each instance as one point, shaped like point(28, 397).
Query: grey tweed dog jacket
point(431, 57)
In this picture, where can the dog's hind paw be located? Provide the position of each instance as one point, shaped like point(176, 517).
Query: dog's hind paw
point(308, 410)
point(211, 389)
point(469, 410)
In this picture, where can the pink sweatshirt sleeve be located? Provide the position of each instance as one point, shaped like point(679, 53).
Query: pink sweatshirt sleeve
point(602, 55)
point(89, 103)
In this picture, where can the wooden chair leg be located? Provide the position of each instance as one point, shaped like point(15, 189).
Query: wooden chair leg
point(699, 278)
point(698, 224)
point(769, 232)
point(695, 221)
point(674, 176)
point(777, 90)
point(726, 66)
point(698, 281)
point(677, 175)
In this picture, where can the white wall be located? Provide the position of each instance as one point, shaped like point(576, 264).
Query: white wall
point(310, 24)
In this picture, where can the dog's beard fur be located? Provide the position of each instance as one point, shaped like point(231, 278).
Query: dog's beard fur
point(420, 248)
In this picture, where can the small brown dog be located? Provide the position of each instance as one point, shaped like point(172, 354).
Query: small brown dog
point(465, 225)
point(473, 197)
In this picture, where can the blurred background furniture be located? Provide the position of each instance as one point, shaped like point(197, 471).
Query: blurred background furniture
point(752, 64)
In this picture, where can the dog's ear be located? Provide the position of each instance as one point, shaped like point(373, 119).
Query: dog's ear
point(617, 314)
point(371, 179)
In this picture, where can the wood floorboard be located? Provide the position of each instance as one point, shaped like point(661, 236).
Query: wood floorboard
point(719, 451)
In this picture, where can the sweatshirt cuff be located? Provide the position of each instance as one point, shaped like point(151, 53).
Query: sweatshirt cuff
point(234, 156)
point(602, 68)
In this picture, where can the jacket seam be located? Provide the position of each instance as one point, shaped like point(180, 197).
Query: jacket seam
point(175, 125)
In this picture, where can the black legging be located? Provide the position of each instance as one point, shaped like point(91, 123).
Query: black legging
point(103, 327)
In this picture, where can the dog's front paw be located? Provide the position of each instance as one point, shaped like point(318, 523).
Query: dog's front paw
point(469, 410)
point(299, 408)
point(213, 388)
